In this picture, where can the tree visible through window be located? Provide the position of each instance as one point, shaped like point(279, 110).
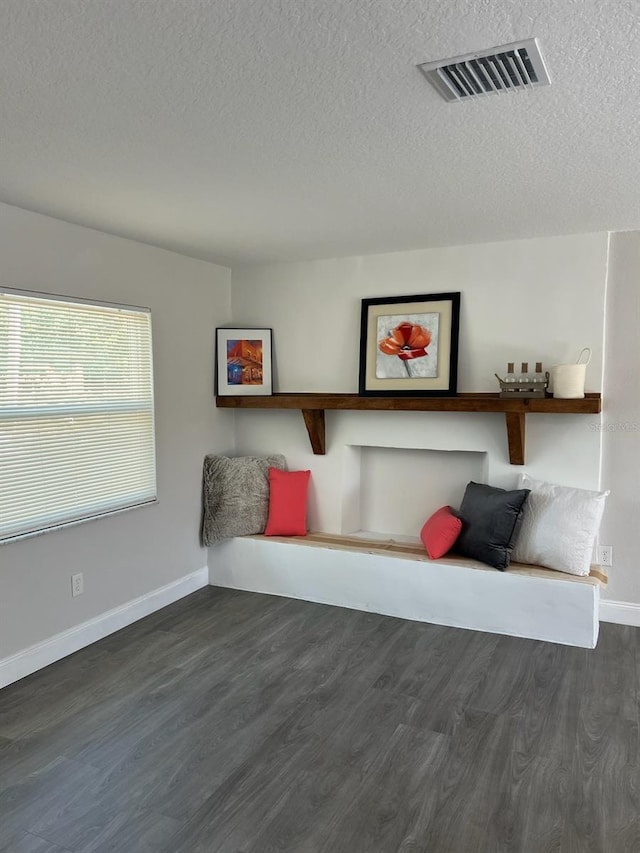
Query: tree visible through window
point(76, 411)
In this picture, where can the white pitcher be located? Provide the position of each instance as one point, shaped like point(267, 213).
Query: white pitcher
point(568, 379)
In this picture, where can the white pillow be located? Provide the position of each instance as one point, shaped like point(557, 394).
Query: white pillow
point(559, 526)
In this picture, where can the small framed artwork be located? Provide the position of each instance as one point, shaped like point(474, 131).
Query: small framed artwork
point(243, 362)
point(409, 345)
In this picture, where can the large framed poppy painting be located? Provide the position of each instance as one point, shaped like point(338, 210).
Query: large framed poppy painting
point(409, 345)
point(243, 362)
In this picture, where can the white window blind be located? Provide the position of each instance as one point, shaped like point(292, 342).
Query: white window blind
point(76, 411)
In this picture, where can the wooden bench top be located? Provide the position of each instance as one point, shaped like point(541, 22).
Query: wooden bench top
point(415, 551)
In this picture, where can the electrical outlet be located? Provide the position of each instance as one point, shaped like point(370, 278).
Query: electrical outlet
point(605, 555)
point(77, 584)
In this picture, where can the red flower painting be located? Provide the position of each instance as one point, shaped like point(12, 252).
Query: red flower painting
point(407, 341)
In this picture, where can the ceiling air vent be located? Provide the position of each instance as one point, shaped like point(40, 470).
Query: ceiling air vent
point(490, 72)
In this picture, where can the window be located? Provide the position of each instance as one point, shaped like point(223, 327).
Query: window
point(76, 411)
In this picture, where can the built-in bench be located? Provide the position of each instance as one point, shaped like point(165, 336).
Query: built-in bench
point(398, 579)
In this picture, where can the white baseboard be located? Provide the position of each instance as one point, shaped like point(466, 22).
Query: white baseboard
point(59, 646)
point(621, 612)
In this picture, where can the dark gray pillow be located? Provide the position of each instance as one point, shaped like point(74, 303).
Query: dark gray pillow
point(236, 495)
point(491, 519)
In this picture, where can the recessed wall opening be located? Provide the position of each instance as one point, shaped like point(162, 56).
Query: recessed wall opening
point(400, 487)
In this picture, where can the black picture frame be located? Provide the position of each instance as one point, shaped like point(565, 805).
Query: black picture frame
point(384, 335)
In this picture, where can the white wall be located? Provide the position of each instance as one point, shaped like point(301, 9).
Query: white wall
point(524, 298)
point(532, 300)
point(621, 421)
point(128, 555)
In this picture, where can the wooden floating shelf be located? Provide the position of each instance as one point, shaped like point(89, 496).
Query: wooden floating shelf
point(313, 407)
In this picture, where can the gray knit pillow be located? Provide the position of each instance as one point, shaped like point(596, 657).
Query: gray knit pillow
point(236, 495)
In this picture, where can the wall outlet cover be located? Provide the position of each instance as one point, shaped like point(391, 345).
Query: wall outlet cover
point(604, 555)
point(77, 584)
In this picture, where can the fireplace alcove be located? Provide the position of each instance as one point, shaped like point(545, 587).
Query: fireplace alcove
point(394, 489)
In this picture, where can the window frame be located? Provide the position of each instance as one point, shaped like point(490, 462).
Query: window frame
point(95, 408)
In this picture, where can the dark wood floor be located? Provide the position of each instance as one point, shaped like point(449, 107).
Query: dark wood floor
point(238, 723)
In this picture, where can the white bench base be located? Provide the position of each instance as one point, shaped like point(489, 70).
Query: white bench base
point(523, 602)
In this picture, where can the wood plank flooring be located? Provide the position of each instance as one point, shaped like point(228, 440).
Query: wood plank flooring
point(232, 722)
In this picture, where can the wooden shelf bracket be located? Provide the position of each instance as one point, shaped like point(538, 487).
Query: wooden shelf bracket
point(516, 436)
point(314, 422)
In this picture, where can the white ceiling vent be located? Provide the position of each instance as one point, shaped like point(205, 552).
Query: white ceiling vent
point(490, 72)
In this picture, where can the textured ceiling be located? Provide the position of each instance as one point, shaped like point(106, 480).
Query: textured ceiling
point(244, 130)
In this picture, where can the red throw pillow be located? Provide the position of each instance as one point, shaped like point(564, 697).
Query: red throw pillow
point(287, 503)
point(440, 531)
